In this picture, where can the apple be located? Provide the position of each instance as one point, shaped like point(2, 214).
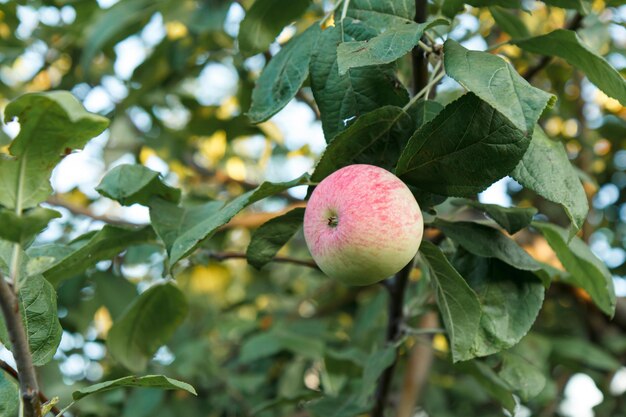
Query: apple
point(362, 224)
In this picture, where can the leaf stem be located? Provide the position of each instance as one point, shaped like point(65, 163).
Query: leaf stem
point(424, 91)
point(60, 413)
point(425, 47)
point(498, 45)
point(344, 11)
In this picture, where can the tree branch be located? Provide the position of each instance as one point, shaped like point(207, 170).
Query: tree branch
point(396, 288)
point(8, 369)
point(574, 24)
point(398, 284)
point(29, 390)
point(222, 256)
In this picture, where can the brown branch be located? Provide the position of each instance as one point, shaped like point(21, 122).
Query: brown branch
point(222, 256)
point(418, 367)
point(29, 390)
point(8, 369)
point(398, 284)
point(83, 211)
point(574, 24)
point(396, 288)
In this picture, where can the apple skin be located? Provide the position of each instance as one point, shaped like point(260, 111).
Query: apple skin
point(362, 225)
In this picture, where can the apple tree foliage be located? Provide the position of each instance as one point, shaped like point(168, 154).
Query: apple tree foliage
point(211, 303)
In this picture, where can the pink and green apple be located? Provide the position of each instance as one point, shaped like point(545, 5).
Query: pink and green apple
point(362, 225)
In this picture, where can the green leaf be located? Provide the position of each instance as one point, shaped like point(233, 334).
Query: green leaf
point(267, 240)
point(171, 221)
point(148, 381)
point(266, 344)
point(495, 386)
point(488, 242)
point(376, 138)
point(463, 150)
point(567, 44)
point(423, 111)
point(9, 396)
point(148, 323)
point(113, 24)
point(38, 308)
point(135, 184)
point(189, 238)
point(522, 375)
point(495, 81)
point(87, 250)
point(381, 15)
point(586, 271)
point(283, 76)
point(510, 301)
point(582, 6)
point(342, 98)
point(387, 47)
point(265, 20)
point(547, 170)
point(51, 124)
point(21, 229)
point(509, 22)
point(579, 350)
point(512, 219)
point(458, 303)
point(376, 364)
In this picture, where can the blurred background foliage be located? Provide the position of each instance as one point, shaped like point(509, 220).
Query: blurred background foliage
point(170, 76)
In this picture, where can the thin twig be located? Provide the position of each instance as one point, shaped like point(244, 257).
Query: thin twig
point(29, 389)
point(222, 256)
point(574, 24)
point(82, 211)
point(8, 369)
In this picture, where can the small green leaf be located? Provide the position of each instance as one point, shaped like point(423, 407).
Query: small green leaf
point(148, 381)
point(582, 6)
point(423, 111)
point(57, 264)
point(106, 25)
point(586, 271)
point(135, 184)
point(148, 323)
point(458, 303)
point(581, 351)
point(267, 240)
point(495, 386)
point(488, 242)
point(509, 22)
point(495, 81)
point(546, 169)
point(463, 150)
point(283, 76)
point(381, 14)
point(343, 98)
point(522, 375)
point(512, 219)
point(387, 47)
point(266, 344)
point(376, 364)
point(51, 124)
point(188, 239)
point(510, 301)
point(265, 20)
point(38, 308)
point(376, 138)
point(9, 396)
point(567, 44)
point(171, 221)
point(21, 229)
